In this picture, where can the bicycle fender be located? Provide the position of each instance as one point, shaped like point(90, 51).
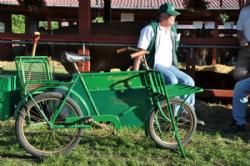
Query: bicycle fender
point(146, 122)
point(59, 89)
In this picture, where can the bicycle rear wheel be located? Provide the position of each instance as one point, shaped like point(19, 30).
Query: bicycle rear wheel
point(161, 130)
point(35, 135)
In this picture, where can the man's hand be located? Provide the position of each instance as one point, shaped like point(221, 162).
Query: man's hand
point(243, 43)
point(242, 39)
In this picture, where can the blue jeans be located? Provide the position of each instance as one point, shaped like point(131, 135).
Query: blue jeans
point(240, 100)
point(173, 75)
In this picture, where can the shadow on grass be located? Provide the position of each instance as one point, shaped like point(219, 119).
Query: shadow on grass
point(120, 139)
point(8, 141)
point(216, 118)
point(8, 136)
point(16, 156)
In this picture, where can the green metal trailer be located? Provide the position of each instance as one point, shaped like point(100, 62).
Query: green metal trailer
point(58, 109)
point(9, 96)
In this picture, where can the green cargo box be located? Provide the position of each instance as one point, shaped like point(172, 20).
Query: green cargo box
point(9, 96)
point(123, 94)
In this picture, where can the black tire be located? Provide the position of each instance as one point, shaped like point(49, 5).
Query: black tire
point(34, 134)
point(186, 122)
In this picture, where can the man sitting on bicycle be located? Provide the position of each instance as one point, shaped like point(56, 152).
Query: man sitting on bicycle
point(161, 40)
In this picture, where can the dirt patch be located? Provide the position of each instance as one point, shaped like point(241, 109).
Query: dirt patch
point(216, 116)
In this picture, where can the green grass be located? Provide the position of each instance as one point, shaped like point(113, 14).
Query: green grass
point(132, 147)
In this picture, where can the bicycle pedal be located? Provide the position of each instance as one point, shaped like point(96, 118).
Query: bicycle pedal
point(88, 120)
point(200, 122)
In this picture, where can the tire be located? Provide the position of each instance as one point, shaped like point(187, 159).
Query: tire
point(34, 134)
point(186, 122)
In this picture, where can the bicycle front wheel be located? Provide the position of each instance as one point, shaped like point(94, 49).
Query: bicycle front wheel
point(161, 130)
point(34, 133)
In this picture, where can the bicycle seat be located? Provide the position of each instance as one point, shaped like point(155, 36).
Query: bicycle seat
point(73, 57)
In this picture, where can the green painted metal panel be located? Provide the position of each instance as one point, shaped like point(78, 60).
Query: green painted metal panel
point(114, 80)
point(122, 94)
point(9, 96)
point(131, 106)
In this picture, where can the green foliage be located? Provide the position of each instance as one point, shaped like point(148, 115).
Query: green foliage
point(98, 19)
point(18, 23)
point(54, 24)
point(223, 17)
point(131, 147)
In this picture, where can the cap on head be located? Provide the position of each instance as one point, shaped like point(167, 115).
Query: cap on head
point(168, 8)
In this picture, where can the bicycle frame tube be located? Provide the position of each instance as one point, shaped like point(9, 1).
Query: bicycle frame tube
point(58, 110)
point(68, 91)
point(40, 110)
point(179, 110)
point(175, 128)
point(157, 86)
point(88, 94)
point(84, 87)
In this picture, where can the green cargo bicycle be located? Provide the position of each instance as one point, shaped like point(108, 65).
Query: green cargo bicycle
point(52, 116)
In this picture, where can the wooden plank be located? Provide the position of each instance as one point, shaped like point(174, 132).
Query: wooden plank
point(210, 41)
point(118, 39)
point(216, 93)
point(44, 37)
point(73, 38)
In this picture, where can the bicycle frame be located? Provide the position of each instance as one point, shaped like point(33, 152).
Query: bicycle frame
point(68, 89)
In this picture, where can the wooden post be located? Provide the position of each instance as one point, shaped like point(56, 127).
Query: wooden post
point(36, 37)
point(6, 19)
point(107, 10)
point(59, 24)
point(221, 3)
point(6, 49)
point(26, 24)
point(84, 66)
point(84, 15)
point(214, 61)
point(49, 21)
point(190, 63)
point(240, 3)
point(214, 53)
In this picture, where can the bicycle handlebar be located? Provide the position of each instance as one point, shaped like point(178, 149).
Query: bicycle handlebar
point(127, 49)
point(137, 51)
point(138, 55)
point(118, 51)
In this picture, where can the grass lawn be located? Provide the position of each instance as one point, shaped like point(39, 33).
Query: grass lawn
point(132, 147)
point(10, 67)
